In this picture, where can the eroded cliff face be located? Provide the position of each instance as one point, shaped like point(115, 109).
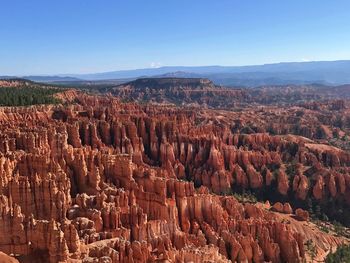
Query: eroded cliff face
point(104, 181)
point(204, 93)
point(179, 91)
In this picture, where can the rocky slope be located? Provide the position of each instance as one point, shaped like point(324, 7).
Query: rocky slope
point(105, 181)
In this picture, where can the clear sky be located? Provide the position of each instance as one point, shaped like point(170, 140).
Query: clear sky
point(85, 36)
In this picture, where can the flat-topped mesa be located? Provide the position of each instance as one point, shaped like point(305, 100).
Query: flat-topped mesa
point(169, 83)
point(179, 91)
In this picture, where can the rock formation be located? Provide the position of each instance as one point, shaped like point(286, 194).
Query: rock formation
point(99, 180)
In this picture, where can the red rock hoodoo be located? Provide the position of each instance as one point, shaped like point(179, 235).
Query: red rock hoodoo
point(98, 180)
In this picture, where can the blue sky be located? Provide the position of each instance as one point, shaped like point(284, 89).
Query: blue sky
point(85, 36)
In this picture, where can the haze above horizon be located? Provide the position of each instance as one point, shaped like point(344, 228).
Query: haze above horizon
point(45, 37)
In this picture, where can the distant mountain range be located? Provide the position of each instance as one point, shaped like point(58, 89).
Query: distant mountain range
point(320, 72)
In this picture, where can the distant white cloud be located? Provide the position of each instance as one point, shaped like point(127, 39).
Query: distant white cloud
point(155, 64)
point(305, 60)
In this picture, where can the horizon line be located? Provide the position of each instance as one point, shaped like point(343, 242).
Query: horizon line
point(166, 66)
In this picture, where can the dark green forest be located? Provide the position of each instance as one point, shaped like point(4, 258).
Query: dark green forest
point(25, 96)
point(342, 255)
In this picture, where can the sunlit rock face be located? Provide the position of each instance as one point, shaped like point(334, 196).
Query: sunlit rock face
point(98, 180)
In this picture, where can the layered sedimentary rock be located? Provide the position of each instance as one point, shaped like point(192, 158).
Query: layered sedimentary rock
point(105, 181)
point(203, 92)
point(179, 91)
